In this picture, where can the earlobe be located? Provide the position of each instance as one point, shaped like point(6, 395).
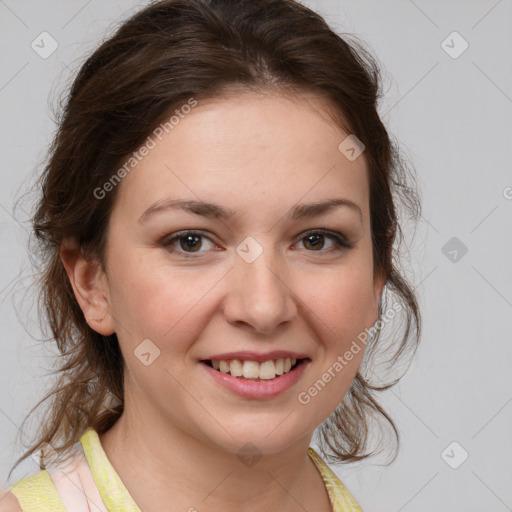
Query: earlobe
point(89, 286)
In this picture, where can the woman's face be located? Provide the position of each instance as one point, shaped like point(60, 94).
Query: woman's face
point(249, 279)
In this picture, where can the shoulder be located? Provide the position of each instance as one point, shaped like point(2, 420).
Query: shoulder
point(8, 502)
point(29, 493)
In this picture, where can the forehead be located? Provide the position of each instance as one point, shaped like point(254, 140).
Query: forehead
point(249, 150)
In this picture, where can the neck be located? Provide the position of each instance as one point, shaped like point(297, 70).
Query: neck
point(161, 464)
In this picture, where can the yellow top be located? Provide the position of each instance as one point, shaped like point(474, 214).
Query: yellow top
point(38, 493)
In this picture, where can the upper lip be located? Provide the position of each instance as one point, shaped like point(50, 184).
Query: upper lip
point(247, 355)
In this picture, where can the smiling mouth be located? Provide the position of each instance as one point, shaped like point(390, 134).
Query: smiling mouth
point(254, 370)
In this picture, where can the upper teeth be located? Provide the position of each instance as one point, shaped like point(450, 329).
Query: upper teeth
point(253, 369)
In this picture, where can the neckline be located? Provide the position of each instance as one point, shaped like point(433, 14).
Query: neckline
point(116, 497)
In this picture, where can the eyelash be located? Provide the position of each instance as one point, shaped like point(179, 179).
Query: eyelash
point(340, 241)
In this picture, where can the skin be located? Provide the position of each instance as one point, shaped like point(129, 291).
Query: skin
point(176, 443)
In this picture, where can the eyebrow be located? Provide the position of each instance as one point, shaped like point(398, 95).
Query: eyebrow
point(300, 211)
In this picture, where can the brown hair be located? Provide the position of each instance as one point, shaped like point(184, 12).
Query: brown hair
point(156, 61)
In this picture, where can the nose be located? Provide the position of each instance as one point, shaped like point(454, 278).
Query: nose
point(260, 295)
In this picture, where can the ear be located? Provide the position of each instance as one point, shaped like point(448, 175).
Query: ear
point(90, 286)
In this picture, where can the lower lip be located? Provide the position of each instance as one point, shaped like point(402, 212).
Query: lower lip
point(258, 389)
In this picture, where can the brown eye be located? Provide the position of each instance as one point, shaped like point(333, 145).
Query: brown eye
point(314, 241)
point(190, 242)
point(185, 243)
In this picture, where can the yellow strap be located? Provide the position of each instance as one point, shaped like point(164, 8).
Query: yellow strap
point(341, 499)
point(113, 492)
point(37, 494)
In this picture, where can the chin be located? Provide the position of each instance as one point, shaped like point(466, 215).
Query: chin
point(265, 436)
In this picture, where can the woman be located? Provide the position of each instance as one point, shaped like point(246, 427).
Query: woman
point(218, 223)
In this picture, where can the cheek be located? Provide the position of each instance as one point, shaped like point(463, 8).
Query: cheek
point(159, 301)
point(342, 309)
point(342, 300)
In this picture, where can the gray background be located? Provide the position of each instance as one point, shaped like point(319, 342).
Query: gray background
point(453, 118)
